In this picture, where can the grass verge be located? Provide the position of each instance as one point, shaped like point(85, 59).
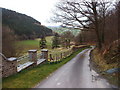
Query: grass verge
point(30, 77)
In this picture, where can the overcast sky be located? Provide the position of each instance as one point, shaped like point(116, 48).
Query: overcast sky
point(41, 10)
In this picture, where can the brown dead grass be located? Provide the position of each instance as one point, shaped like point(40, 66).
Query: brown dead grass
point(100, 61)
point(100, 65)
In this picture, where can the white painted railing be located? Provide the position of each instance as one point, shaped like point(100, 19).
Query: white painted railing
point(23, 62)
point(40, 56)
point(23, 59)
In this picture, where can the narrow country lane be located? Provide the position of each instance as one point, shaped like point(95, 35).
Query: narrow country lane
point(75, 74)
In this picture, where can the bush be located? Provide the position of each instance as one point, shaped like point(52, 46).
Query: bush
point(8, 42)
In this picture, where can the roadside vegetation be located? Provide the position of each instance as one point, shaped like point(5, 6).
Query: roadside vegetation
point(30, 77)
point(101, 64)
point(8, 40)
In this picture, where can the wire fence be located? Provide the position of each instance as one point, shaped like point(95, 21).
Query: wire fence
point(57, 57)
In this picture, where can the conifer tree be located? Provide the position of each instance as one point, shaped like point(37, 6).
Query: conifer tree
point(42, 42)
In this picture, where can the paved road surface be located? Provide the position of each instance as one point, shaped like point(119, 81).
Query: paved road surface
point(75, 74)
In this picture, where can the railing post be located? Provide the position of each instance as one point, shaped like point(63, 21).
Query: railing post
point(9, 66)
point(58, 57)
point(67, 53)
point(45, 54)
point(64, 54)
point(33, 56)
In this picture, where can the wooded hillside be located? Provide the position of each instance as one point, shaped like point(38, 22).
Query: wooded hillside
point(24, 26)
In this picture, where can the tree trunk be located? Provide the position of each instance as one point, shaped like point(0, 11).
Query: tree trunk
point(103, 29)
point(118, 20)
point(99, 44)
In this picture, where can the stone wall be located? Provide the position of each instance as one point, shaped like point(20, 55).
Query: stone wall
point(74, 48)
point(9, 66)
point(33, 56)
point(45, 54)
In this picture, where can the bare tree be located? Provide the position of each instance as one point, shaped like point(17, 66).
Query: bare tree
point(103, 13)
point(118, 17)
point(74, 13)
point(66, 38)
point(78, 39)
point(8, 42)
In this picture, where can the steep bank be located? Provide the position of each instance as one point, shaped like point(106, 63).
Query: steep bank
point(99, 63)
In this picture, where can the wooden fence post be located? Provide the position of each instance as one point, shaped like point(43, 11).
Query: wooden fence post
point(61, 55)
point(50, 57)
point(53, 57)
point(65, 54)
point(56, 57)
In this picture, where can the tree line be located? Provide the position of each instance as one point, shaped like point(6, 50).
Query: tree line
point(58, 40)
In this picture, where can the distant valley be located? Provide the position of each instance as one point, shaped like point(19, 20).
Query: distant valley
point(61, 30)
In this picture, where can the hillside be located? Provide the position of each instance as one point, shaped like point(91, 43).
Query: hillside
point(24, 26)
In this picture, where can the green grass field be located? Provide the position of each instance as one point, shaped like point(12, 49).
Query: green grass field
point(30, 77)
point(26, 45)
point(28, 42)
